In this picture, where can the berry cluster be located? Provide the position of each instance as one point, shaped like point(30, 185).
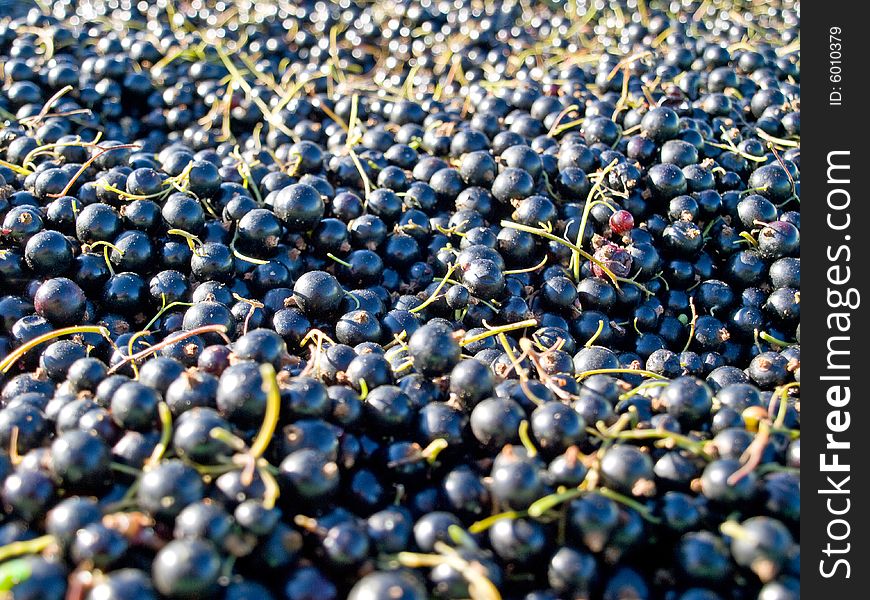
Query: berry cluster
point(400, 299)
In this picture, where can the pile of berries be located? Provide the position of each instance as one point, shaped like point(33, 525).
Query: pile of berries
point(400, 299)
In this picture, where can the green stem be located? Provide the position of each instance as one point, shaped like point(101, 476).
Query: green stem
point(733, 529)
point(450, 269)
point(33, 546)
point(240, 256)
point(343, 263)
point(273, 409)
point(460, 537)
point(19, 352)
point(594, 337)
point(128, 196)
point(219, 329)
point(775, 140)
point(590, 203)
point(526, 440)
point(125, 469)
point(367, 185)
point(709, 226)
point(192, 241)
point(270, 497)
point(500, 329)
point(106, 246)
point(88, 163)
point(783, 403)
point(642, 510)
point(228, 438)
point(644, 373)
point(165, 307)
point(431, 452)
point(484, 524)
point(641, 387)
point(578, 250)
point(14, 572)
point(548, 503)
point(682, 441)
point(749, 239)
point(165, 434)
point(691, 324)
point(528, 269)
point(15, 168)
point(772, 340)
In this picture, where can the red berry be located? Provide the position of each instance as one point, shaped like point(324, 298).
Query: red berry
point(621, 222)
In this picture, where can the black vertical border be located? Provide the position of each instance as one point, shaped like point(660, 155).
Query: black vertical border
point(828, 128)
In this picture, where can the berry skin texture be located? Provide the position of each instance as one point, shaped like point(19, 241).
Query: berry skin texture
point(61, 301)
point(434, 349)
point(299, 207)
point(762, 544)
point(688, 400)
point(338, 306)
point(317, 293)
point(621, 222)
point(380, 584)
point(186, 569)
